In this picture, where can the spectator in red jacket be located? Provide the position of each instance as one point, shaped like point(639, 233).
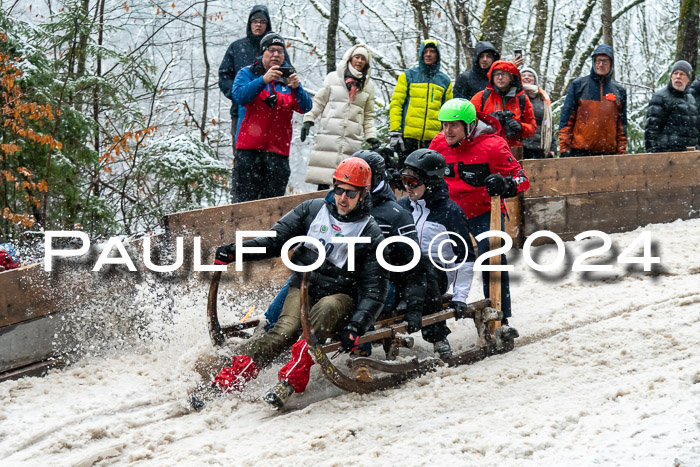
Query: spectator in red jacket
point(505, 99)
point(267, 101)
point(479, 166)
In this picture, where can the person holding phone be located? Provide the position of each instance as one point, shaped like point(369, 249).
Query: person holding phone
point(267, 101)
point(345, 105)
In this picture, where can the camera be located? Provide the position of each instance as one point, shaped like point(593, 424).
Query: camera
point(518, 52)
point(287, 71)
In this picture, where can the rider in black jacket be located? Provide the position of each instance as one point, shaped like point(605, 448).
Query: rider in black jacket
point(332, 286)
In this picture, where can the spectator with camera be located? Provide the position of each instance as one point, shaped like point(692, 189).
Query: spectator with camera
point(268, 93)
point(505, 99)
point(345, 105)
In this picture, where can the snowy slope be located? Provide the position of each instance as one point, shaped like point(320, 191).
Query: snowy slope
point(607, 372)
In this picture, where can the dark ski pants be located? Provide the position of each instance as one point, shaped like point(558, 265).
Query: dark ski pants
point(258, 175)
point(481, 224)
point(436, 287)
point(327, 316)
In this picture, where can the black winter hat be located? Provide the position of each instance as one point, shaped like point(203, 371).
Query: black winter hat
point(271, 39)
point(685, 67)
point(259, 15)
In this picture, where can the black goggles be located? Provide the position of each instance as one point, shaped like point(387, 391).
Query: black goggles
point(409, 181)
point(352, 194)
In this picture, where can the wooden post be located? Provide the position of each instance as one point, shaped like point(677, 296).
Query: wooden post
point(495, 276)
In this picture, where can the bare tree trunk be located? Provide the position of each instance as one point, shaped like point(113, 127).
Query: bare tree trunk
point(607, 22)
point(96, 93)
point(596, 39)
point(421, 10)
point(207, 69)
point(331, 39)
point(537, 44)
point(461, 27)
point(543, 76)
point(687, 44)
point(571, 48)
point(494, 20)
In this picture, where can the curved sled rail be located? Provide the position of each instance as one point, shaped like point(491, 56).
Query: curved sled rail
point(340, 379)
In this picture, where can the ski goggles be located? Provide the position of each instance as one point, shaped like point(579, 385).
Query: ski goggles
point(352, 194)
point(409, 181)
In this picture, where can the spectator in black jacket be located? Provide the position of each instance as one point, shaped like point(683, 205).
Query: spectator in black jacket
point(476, 79)
point(242, 53)
point(672, 117)
point(342, 299)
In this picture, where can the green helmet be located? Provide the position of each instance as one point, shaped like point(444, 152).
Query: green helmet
point(459, 110)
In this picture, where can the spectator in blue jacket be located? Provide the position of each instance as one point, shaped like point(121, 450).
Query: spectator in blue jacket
point(267, 101)
point(242, 53)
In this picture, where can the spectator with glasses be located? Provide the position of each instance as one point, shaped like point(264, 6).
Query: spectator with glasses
point(342, 300)
point(268, 93)
point(593, 119)
point(505, 99)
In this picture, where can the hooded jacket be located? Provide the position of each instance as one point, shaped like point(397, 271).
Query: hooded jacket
point(368, 282)
point(672, 121)
point(492, 99)
point(473, 160)
point(344, 124)
point(417, 98)
point(475, 79)
point(260, 126)
point(437, 218)
point(239, 54)
point(594, 116)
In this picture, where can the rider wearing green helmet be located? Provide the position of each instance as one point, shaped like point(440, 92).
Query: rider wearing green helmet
point(457, 110)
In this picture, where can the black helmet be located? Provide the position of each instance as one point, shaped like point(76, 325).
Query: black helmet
point(428, 164)
point(376, 163)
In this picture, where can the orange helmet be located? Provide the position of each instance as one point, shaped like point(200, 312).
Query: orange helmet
point(353, 171)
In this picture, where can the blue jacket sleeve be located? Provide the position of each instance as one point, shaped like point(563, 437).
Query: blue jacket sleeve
point(303, 99)
point(247, 86)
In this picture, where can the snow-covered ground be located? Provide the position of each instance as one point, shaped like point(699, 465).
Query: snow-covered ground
point(607, 372)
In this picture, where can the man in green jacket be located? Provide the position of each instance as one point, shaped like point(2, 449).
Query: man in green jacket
point(416, 102)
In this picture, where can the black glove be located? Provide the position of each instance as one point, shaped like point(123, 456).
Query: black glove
point(513, 128)
point(225, 254)
point(414, 321)
point(349, 338)
point(374, 143)
point(460, 309)
point(497, 185)
point(305, 130)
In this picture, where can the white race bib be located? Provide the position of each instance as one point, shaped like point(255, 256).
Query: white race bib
point(324, 227)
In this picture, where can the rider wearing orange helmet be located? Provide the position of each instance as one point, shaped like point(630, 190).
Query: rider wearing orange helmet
point(341, 299)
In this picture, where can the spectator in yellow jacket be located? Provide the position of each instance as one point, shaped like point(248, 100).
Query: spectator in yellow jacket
point(416, 102)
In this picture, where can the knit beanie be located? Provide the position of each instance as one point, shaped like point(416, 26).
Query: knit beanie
point(534, 73)
point(361, 50)
point(269, 40)
point(258, 15)
point(684, 67)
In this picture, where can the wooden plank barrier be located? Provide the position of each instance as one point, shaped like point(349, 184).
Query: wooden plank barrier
point(613, 193)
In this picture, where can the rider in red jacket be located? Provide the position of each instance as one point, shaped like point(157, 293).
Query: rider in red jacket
point(479, 166)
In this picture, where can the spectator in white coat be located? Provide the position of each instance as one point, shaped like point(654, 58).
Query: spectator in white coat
point(345, 104)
